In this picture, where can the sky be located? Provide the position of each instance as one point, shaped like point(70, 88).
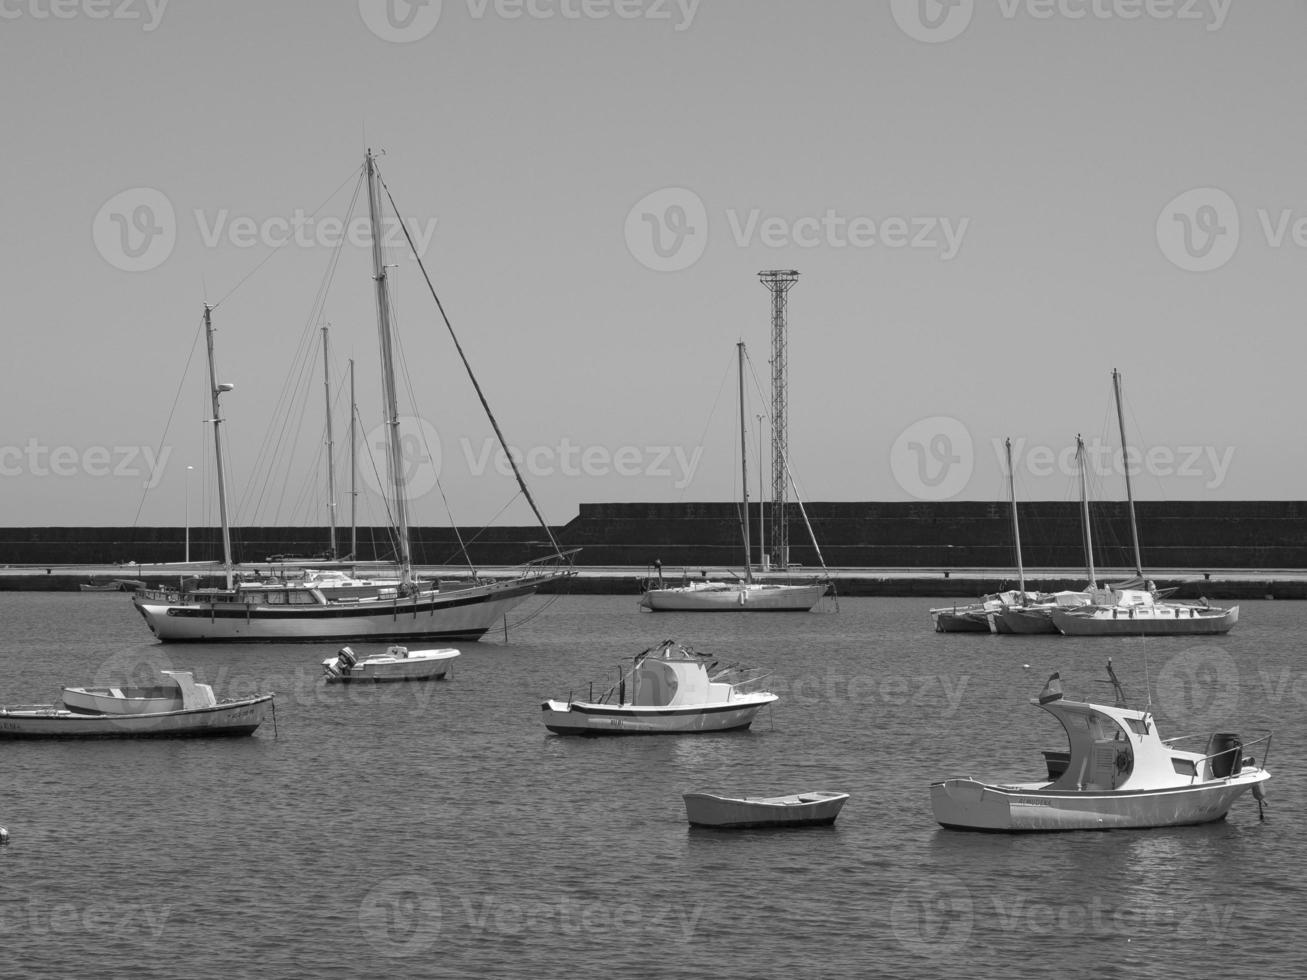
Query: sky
point(990, 205)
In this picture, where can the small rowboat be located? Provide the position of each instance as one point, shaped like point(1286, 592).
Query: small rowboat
point(736, 812)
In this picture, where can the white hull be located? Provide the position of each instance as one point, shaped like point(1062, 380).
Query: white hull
point(799, 810)
point(417, 665)
point(228, 719)
point(587, 718)
point(465, 614)
point(1160, 620)
point(734, 598)
point(970, 805)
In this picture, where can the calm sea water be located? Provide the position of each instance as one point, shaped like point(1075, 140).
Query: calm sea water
point(438, 831)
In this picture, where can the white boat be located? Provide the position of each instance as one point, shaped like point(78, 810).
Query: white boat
point(812, 809)
point(314, 611)
point(1119, 773)
point(200, 714)
point(744, 595)
point(396, 664)
point(167, 695)
point(673, 689)
point(712, 596)
point(1129, 611)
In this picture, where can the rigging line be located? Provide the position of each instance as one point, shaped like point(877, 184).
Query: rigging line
point(712, 412)
point(171, 412)
point(444, 499)
point(278, 248)
point(475, 384)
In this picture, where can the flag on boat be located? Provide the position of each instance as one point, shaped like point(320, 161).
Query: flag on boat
point(1052, 688)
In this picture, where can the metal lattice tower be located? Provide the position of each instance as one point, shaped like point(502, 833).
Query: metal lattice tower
point(779, 281)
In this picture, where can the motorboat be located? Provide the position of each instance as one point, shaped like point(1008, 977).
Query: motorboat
point(673, 689)
point(812, 809)
point(200, 714)
point(396, 664)
point(1119, 773)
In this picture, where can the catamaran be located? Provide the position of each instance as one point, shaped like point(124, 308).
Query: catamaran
point(310, 611)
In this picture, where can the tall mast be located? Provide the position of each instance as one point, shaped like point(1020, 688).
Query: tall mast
point(744, 468)
point(215, 390)
point(331, 462)
point(353, 471)
point(1125, 464)
point(1016, 527)
point(394, 451)
point(1084, 515)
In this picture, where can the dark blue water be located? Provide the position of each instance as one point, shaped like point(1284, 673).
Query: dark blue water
point(437, 830)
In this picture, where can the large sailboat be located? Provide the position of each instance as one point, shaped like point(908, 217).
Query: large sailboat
point(309, 611)
point(745, 595)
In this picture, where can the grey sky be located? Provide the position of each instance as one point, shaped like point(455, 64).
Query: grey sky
point(990, 205)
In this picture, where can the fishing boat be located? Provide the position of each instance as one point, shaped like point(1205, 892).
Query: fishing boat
point(396, 664)
point(309, 611)
point(673, 690)
point(1119, 773)
point(813, 809)
point(743, 595)
point(198, 715)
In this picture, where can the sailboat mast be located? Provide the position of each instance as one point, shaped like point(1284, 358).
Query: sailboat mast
point(1125, 464)
point(394, 451)
point(1084, 514)
point(353, 470)
point(744, 468)
point(331, 445)
point(1016, 526)
point(215, 390)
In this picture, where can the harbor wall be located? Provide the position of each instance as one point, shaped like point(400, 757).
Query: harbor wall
point(917, 535)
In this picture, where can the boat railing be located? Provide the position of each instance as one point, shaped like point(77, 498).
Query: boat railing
point(1243, 746)
point(743, 680)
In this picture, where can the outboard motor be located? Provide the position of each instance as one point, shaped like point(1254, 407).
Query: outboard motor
point(345, 659)
point(1226, 752)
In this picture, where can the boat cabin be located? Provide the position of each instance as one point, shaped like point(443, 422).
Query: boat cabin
point(1117, 748)
point(672, 677)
